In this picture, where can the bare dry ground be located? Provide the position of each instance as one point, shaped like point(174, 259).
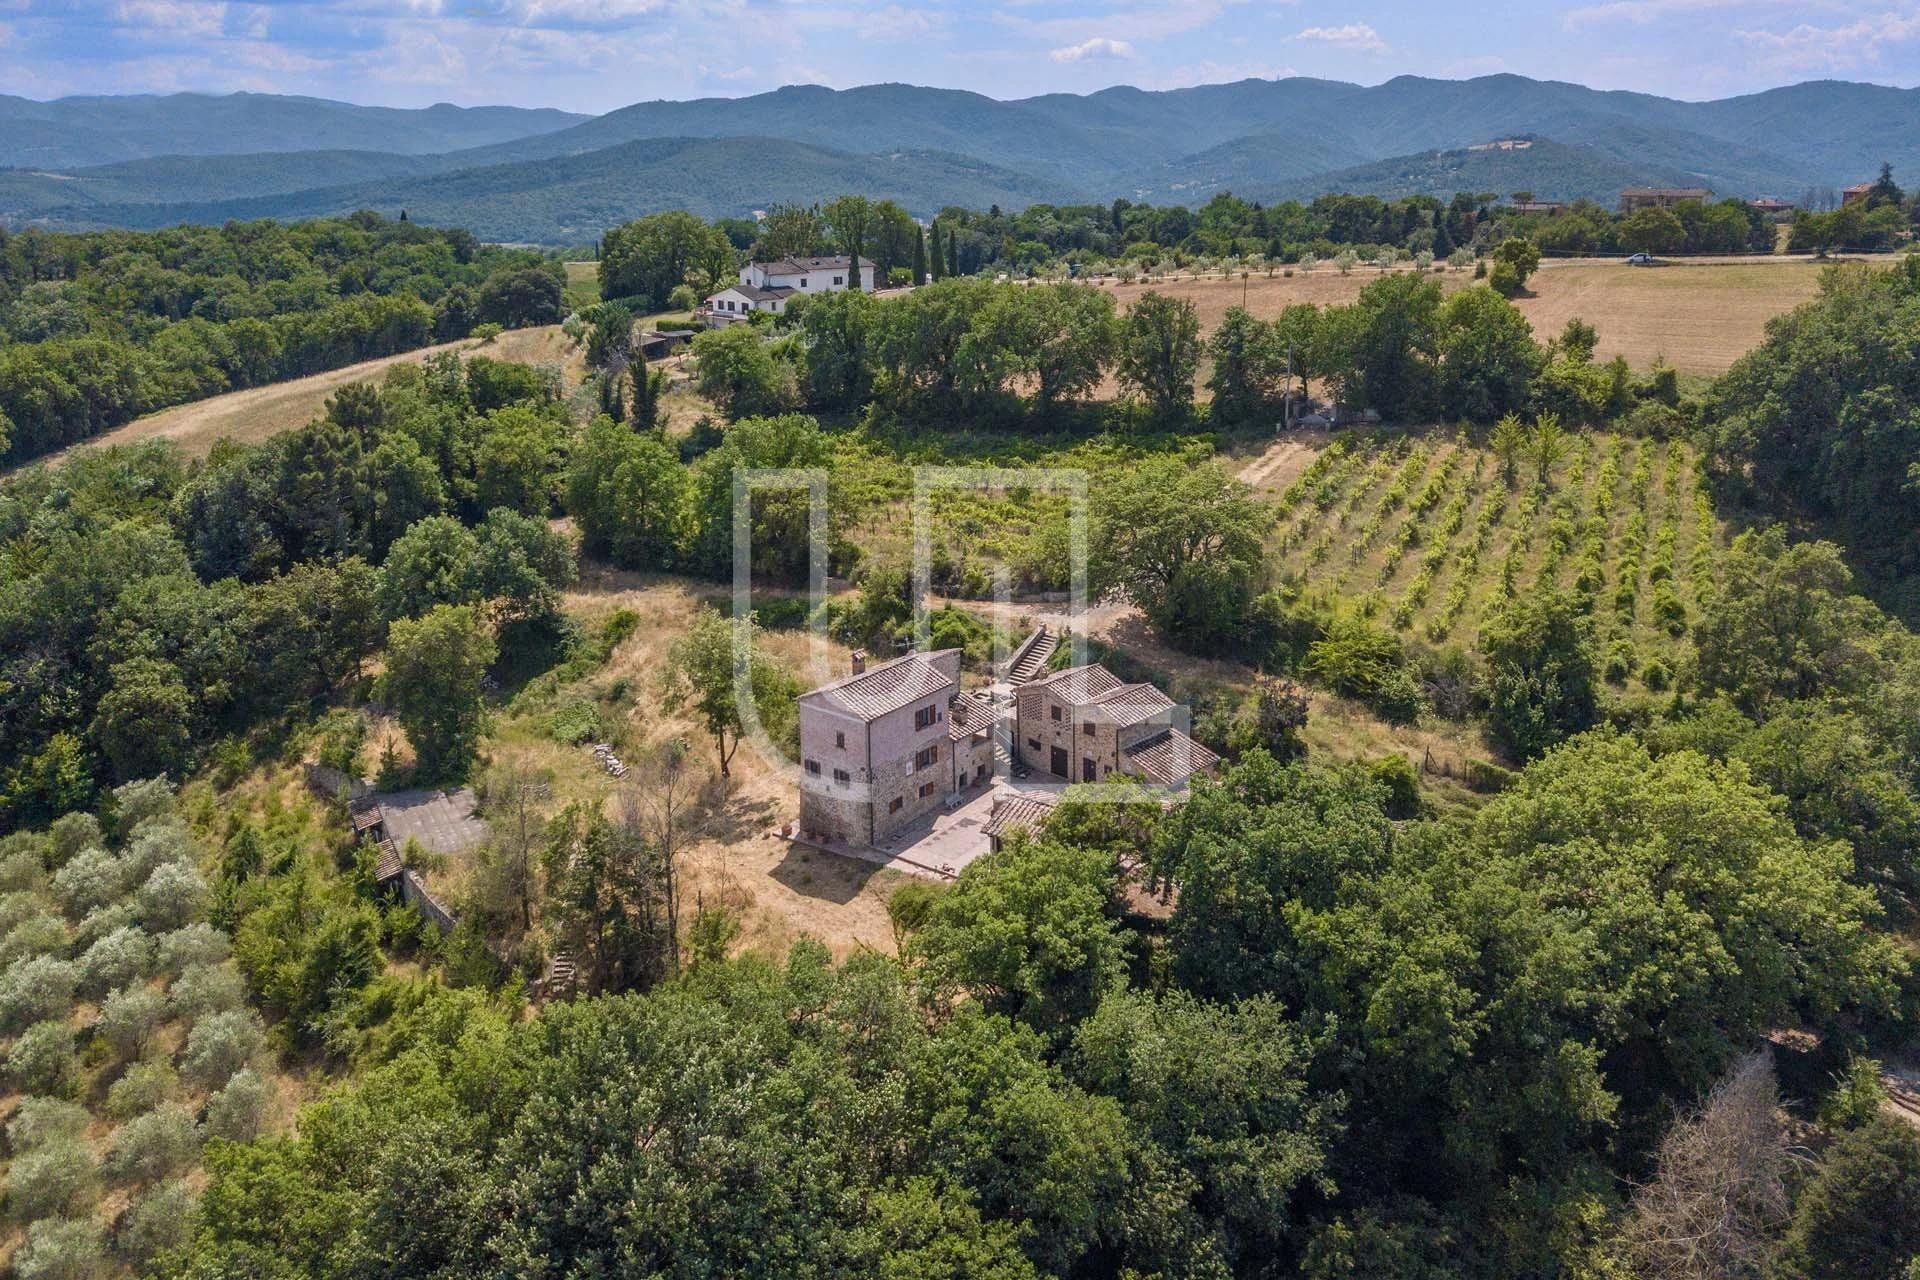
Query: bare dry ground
point(734, 855)
point(1700, 316)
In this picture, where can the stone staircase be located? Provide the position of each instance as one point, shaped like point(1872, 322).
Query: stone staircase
point(1030, 660)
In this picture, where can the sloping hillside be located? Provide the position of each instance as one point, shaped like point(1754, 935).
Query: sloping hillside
point(101, 130)
point(574, 198)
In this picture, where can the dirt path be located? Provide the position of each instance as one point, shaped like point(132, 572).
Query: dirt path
point(259, 412)
point(1282, 463)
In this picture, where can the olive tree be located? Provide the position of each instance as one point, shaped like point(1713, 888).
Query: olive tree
point(42, 1059)
point(129, 1018)
point(161, 1142)
point(237, 1111)
point(119, 958)
point(34, 990)
point(61, 1249)
point(220, 1045)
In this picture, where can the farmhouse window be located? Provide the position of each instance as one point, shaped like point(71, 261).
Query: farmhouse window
point(840, 741)
point(1053, 713)
point(842, 778)
point(803, 282)
point(893, 805)
point(926, 717)
point(839, 279)
point(927, 758)
point(926, 789)
point(1034, 743)
point(813, 767)
point(1087, 728)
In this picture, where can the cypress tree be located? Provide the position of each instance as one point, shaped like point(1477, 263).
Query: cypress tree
point(919, 257)
point(953, 252)
point(939, 262)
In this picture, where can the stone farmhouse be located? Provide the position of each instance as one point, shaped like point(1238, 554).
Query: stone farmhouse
point(889, 744)
point(769, 286)
point(1084, 724)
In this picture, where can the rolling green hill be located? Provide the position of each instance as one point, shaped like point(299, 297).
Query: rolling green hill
point(574, 198)
point(69, 132)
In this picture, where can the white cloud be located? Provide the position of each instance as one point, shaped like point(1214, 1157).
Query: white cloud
point(1642, 12)
point(1099, 48)
point(174, 19)
point(1357, 36)
point(1807, 47)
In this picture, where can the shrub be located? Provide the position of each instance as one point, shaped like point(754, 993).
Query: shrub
point(141, 1088)
point(60, 1249)
point(161, 1142)
point(34, 990)
point(21, 869)
point(1359, 660)
point(57, 1177)
point(93, 878)
point(102, 921)
point(42, 1059)
point(204, 989)
point(70, 834)
point(157, 845)
point(236, 1112)
point(39, 935)
point(197, 944)
point(1620, 660)
point(121, 957)
point(220, 1045)
point(160, 1220)
point(37, 1122)
point(172, 895)
point(1486, 777)
point(135, 802)
point(129, 1018)
point(1402, 781)
point(1657, 676)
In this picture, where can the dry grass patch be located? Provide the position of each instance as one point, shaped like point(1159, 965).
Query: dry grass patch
point(1699, 316)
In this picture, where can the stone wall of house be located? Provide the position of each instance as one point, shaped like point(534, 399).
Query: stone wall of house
point(1037, 725)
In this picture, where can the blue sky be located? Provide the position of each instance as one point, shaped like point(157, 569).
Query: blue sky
point(592, 55)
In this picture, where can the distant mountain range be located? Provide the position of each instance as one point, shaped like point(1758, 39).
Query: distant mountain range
point(544, 176)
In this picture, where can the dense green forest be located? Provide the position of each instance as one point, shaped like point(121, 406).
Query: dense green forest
point(97, 329)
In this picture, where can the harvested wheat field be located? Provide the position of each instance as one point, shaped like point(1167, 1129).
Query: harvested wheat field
point(261, 412)
point(1699, 316)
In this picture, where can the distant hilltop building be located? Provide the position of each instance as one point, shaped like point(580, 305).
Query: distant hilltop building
point(1772, 206)
point(1634, 198)
point(766, 286)
point(1503, 144)
point(1856, 193)
point(1548, 207)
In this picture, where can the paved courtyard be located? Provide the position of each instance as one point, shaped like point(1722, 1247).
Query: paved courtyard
point(442, 821)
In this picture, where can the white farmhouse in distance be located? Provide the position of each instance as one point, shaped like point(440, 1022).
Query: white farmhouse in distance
point(766, 286)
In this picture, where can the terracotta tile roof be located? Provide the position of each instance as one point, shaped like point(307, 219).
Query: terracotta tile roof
point(798, 266)
point(888, 687)
point(1130, 704)
point(758, 293)
point(1015, 813)
point(967, 717)
point(386, 863)
point(1078, 686)
point(1169, 758)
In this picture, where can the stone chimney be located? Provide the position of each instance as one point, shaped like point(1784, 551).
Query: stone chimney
point(859, 661)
